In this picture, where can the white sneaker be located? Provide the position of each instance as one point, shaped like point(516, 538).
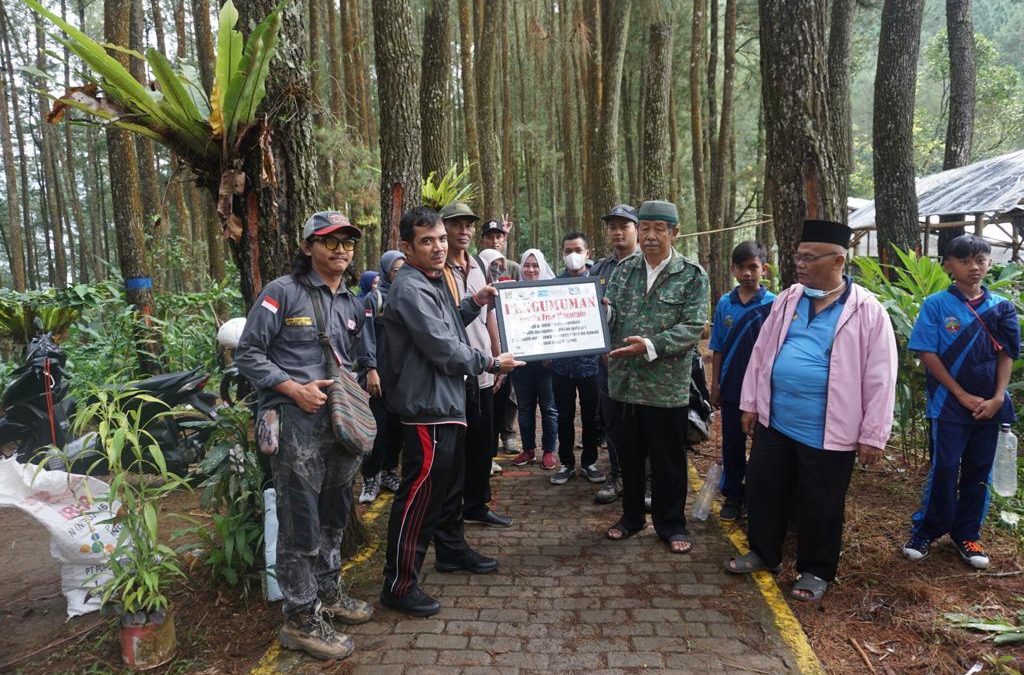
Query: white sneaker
point(371, 488)
point(495, 467)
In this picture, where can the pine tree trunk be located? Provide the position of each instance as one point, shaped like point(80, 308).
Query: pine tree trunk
point(149, 183)
point(485, 105)
point(722, 174)
point(509, 167)
point(469, 95)
point(336, 65)
point(435, 98)
point(569, 121)
point(204, 41)
point(15, 241)
point(355, 81)
point(893, 136)
point(840, 32)
point(50, 173)
point(398, 89)
point(657, 153)
point(607, 193)
point(797, 121)
point(128, 216)
point(962, 96)
point(700, 194)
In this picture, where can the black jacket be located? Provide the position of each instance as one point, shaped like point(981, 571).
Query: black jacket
point(427, 356)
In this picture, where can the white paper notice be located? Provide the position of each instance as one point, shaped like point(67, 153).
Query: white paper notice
point(548, 321)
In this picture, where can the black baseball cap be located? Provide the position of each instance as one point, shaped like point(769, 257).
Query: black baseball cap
point(492, 226)
point(621, 211)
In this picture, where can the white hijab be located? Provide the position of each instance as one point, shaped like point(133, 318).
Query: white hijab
point(545, 269)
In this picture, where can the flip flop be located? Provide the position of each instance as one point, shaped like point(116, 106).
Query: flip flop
point(748, 564)
point(810, 583)
point(677, 538)
point(623, 531)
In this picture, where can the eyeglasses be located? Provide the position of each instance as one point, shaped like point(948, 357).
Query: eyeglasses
point(332, 243)
point(807, 258)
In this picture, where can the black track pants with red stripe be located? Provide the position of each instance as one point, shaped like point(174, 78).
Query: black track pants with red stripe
point(428, 505)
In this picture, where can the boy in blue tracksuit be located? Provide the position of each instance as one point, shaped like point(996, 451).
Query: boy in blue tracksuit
point(734, 330)
point(967, 338)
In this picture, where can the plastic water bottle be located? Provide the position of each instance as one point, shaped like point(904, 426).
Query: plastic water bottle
point(702, 505)
point(1004, 469)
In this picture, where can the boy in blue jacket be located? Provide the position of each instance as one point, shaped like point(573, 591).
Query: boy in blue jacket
point(734, 330)
point(967, 338)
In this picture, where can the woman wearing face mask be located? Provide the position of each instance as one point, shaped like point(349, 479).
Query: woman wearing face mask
point(532, 384)
point(496, 265)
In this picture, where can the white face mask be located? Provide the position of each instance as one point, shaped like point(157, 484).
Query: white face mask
point(818, 293)
point(574, 261)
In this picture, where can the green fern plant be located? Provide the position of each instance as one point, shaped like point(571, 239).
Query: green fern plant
point(454, 186)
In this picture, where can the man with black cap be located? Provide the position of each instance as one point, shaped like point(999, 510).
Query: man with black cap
point(494, 235)
point(818, 394)
point(279, 352)
point(620, 227)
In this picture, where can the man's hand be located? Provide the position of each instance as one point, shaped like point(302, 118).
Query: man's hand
point(485, 296)
point(748, 420)
point(970, 401)
point(987, 409)
point(508, 362)
point(715, 397)
point(868, 455)
point(373, 383)
point(635, 346)
point(309, 397)
point(499, 380)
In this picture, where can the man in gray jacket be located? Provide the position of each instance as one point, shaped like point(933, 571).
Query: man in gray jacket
point(425, 366)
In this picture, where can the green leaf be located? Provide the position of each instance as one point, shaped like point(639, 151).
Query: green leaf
point(249, 88)
point(229, 59)
point(172, 88)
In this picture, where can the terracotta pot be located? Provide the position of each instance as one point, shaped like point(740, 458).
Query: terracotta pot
point(150, 644)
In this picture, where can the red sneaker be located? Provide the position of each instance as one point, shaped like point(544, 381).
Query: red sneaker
point(548, 461)
point(524, 458)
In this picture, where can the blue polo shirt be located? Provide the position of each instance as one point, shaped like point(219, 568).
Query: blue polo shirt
point(946, 326)
point(734, 330)
point(800, 372)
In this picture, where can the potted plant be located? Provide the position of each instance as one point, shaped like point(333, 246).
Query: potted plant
point(142, 569)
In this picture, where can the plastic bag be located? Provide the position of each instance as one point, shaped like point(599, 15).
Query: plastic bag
point(270, 544)
point(69, 506)
point(702, 505)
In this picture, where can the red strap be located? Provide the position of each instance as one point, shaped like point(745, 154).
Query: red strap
point(995, 343)
point(49, 400)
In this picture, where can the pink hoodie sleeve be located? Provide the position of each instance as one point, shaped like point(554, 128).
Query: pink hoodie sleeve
point(761, 357)
point(878, 381)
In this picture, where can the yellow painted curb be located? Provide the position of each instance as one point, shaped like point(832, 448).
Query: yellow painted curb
point(785, 621)
point(267, 665)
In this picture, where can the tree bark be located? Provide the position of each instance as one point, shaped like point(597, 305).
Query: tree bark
point(657, 153)
point(335, 69)
point(124, 183)
point(962, 96)
point(15, 241)
point(149, 183)
point(490, 174)
point(570, 122)
point(840, 32)
point(893, 136)
point(700, 193)
point(607, 192)
point(398, 89)
point(722, 173)
point(356, 93)
point(797, 113)
point(204, 42)
point(51, 173)
point(469, 97)
point(435, 97)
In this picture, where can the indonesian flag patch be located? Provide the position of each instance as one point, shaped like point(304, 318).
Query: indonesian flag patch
point(368, 313)
point(271, 304)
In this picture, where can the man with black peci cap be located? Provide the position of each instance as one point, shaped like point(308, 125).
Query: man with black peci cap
point(279, 352)
point(818, 394)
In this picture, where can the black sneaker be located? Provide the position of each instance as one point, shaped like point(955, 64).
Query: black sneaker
point(563, 475)
point(916, 549)
point(972, 553)
point(593, 474)
point(390, 480)
point(731, 511)
point(309, 632)
point(414, 603)
point(469, 561)
point(489, 518)
point(609, 492)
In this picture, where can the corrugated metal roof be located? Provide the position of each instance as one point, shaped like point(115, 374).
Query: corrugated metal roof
point(991, 185)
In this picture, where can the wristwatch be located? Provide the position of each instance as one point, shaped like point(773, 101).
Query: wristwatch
point(495, 366)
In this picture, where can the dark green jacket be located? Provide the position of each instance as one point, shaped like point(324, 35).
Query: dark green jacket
point(672, 316)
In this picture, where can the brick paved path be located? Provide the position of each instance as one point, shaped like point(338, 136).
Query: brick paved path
point(566, 599)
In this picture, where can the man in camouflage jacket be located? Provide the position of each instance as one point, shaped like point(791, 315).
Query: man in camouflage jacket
point(658, 305)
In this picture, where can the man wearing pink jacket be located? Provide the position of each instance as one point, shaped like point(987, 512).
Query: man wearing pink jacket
point(817, 395)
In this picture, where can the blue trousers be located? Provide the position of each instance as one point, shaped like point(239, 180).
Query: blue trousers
point(533, 388)
point(734, 453)
point(956, 497)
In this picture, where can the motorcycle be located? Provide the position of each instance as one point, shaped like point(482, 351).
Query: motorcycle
point(38, 413)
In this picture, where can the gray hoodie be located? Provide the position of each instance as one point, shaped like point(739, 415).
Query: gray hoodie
point(428, 356)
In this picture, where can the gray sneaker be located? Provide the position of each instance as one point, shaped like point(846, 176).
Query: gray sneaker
point(509, 445)
point(609, 492)
point(593, 474)
point(341, 606)
point(563, 475)
point(309, 632)
point(390, 480)
point(371, 488)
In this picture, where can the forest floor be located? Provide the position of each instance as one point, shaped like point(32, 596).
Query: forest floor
point(884, 614)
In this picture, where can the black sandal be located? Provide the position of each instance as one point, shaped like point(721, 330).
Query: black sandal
point(624, 532)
